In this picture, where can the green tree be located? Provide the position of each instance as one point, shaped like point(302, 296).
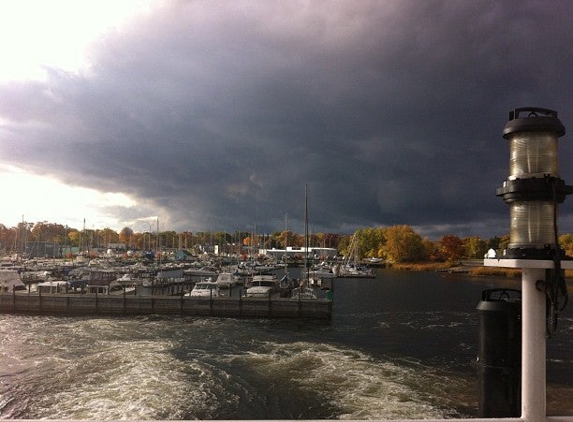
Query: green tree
point(47, 232)
point(344, 245)
point(371, 241)
point(7, 238)
point(475, 248)
point(107, 236)
point(285, 238)
point(493, 243)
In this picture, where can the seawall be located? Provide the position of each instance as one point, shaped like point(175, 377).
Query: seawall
point(74, 304)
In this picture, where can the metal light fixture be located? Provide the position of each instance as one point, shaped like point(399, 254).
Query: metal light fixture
point(533, 189)
point(533, 192)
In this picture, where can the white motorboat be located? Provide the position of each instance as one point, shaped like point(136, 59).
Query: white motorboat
point(303, 293)
point(52, 287)
point(323, 270)
point(226, 280)
point(202, 272)
point(204, 289)
point(263, 285)
point(112, 289)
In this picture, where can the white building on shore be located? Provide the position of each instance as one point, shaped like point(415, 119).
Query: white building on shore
point(294, 252)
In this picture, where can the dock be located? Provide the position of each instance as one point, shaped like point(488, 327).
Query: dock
point(106, 305)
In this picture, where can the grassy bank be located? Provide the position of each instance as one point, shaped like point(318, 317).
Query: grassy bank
point(473, 268)
point(494, 271)
point(421, 266)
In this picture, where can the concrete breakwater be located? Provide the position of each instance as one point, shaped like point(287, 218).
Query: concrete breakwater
point(73, 304)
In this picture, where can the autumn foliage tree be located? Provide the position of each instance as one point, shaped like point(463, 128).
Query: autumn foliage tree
point(566, 242)
point(285, 238)
point(452, 248)
point(125, 235)
point(403, 244)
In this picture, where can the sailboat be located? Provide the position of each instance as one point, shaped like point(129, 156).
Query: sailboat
point(286, 282)
point(304, 291)
point(352, 267)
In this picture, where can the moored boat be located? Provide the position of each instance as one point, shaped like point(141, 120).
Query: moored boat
point(53, 286)
point(226, 280)
point(112, 289)
point(204, 289)
point(201, 272)
point(303, 293)
point(263, 285)
point(10, 281)
point(354, 271)
point(352, 267)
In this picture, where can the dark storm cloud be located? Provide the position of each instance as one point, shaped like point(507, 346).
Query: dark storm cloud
point(218, 113)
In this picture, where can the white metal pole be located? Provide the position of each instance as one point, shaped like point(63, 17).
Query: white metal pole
point(533, 355)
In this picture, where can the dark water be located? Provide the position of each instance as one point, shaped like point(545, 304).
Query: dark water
point(402, 345)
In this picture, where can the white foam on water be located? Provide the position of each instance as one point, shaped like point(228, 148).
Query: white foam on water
point(119, 380)
point(110, 377)
point(66, 368)
point(359, 386)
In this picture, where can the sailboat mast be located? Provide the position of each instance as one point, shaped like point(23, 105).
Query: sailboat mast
point(158, 245)
point(306, 233)
point(286, 243)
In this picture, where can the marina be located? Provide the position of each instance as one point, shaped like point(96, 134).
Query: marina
point(169, 292)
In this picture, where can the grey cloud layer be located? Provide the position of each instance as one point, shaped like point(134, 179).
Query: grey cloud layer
point(219, 112)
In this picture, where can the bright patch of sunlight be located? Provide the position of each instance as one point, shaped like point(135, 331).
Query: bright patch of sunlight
point(33, 198)
point(36, 34)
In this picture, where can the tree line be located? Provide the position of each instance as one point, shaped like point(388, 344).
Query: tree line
point(15, 238)
point(399, 243)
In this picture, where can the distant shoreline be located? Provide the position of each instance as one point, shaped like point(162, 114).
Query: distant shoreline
point(468, 267)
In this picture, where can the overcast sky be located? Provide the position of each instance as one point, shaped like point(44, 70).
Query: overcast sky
point(213, 115)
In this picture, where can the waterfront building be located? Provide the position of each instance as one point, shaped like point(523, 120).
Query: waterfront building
point(298, 252)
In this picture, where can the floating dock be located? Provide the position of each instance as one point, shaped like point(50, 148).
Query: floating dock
point(237, 307)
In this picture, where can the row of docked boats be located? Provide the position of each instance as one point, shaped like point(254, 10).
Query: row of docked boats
point(260, 286)
point(60, 278)
point(12, 281)
point(207, 287)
